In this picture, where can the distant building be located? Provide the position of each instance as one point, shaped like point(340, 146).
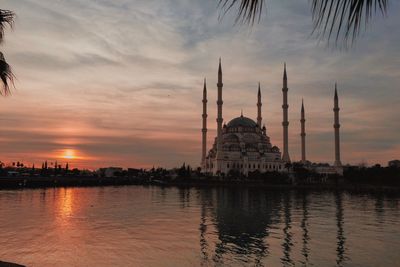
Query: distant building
point(109, 172)
point(394, 163)
point(329, 170)
point(13, 173)
point(133, 171)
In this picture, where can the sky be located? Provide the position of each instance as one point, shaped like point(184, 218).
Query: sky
point(119, 83)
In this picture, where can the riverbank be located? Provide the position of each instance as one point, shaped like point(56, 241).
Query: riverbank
point(65, 181)
point(9, 264)
point(88, 181)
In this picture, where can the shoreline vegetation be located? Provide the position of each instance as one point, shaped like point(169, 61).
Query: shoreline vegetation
point(376, 177)
point(9, 264)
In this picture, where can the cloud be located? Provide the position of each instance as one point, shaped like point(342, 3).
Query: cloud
point(121, 81)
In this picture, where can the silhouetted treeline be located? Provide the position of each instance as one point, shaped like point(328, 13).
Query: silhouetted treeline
point(375, 175)
point(269, 177)
point(18, 175)
point(185, 171)
point(19, 169)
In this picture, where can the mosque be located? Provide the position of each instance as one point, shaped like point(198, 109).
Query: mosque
point(243, 146)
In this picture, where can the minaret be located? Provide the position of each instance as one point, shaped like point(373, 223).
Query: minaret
point(303, 133)
point(336, 126)
point(259, 104)
point(285, 122)
point(219, 117)
point(204, 130)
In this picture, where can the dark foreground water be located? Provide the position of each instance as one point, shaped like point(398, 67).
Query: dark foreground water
point(153, 226)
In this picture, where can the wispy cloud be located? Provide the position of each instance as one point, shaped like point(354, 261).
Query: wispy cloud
point(120, 81)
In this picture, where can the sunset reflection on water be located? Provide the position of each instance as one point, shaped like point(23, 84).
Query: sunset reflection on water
point(65, 204)
point(154, 226)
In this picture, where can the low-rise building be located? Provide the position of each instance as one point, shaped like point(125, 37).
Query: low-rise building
point(109, 172)
point(394, 163)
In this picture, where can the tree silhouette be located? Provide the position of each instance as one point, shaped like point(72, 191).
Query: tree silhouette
point(6, 74)
point(340, 18)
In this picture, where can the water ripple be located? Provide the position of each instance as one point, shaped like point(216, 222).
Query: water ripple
point(154, 226)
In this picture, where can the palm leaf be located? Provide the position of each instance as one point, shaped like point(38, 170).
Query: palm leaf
point(344, 18)
point(6, 76)
point(341, 18)
point(6, 18)
point(248, 12)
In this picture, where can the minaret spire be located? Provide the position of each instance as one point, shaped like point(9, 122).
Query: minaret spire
point(285, 123)
point(259, 105)
point(204, 129)
point(336, 95)
point(284, 72)
point(336, 126)
point(303, 133)
point(219, 155)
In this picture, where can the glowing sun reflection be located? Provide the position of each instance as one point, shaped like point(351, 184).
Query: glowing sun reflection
point(64, 208)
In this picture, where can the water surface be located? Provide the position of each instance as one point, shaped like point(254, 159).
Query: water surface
point(154, 226)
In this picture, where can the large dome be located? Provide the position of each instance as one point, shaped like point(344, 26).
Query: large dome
point(242, 121)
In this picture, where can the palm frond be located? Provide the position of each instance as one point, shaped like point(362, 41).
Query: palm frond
point(6, 18)
point(6, 76)
point(343, 18)
point(248, 11)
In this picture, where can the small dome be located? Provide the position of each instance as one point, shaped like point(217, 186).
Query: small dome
point(242, 121)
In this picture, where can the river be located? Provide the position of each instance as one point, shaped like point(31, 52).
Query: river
point(155, 226)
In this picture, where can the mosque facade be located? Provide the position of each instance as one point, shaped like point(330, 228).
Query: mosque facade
point(243, 146)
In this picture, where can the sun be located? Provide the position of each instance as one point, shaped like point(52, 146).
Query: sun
point(68, 154)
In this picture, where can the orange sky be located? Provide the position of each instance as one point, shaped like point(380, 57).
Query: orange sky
point(120, 83)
